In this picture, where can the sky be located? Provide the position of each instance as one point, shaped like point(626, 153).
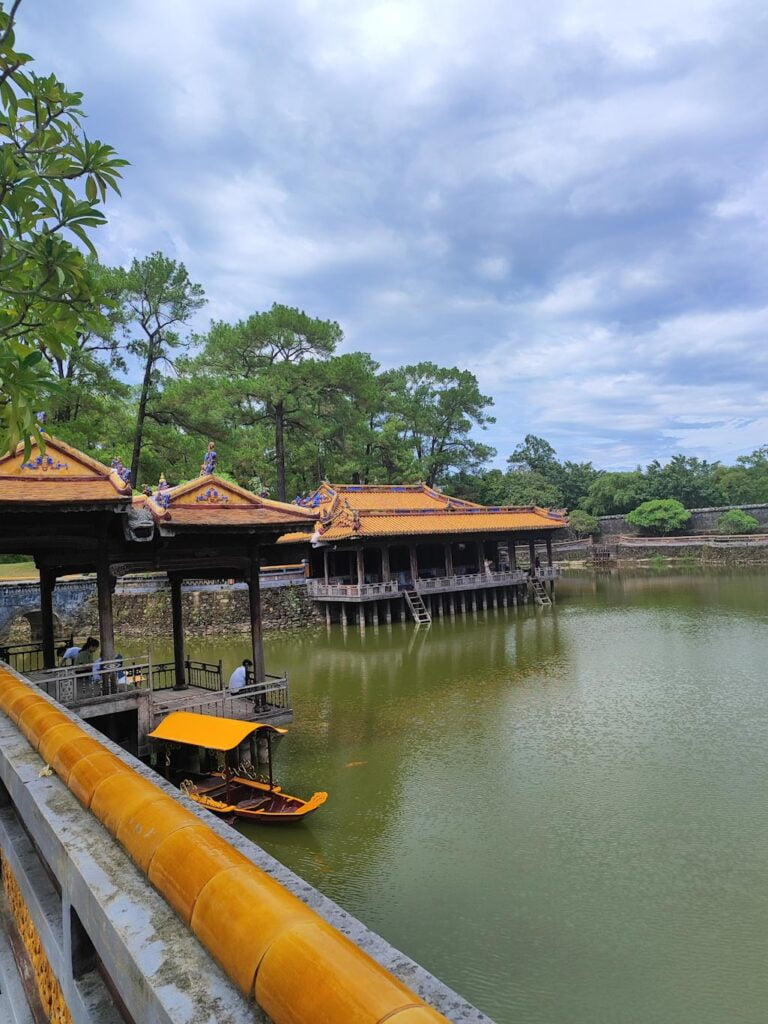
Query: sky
point(568, 198)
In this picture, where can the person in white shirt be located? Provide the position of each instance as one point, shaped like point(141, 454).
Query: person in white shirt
point(238, 678)
point(68, 654)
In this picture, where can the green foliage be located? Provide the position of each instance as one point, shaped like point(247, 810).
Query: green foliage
point(156, 297)
point(658, 563)
point(616, 493)
point(431, 411)
point(53, 183)
point(583, 524)
point(737, 521)
point(530, 487)
point(660, 515)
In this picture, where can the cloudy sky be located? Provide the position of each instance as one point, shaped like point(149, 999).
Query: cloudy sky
point(568, 198)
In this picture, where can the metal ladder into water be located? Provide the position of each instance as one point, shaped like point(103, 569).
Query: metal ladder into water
point(418, 609)
point(539, 591)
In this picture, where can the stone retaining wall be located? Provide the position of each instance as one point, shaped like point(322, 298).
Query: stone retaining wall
point(205, 612)
point(703, 520)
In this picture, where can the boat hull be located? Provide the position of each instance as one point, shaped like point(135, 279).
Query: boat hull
point(249, 800)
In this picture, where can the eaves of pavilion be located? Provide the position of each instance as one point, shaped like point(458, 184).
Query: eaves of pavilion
point(74, 514)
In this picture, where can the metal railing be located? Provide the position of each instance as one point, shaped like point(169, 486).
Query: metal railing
point(268, 698)
point(28, 657)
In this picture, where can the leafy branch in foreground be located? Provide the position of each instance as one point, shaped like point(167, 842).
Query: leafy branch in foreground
point(53, 182)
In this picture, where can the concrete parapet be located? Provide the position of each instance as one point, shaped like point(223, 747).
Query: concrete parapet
point(279, 941)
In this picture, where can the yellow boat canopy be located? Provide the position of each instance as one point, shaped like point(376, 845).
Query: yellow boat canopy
point(208, 730)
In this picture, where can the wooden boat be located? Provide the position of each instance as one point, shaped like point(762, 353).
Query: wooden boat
point(232, 790)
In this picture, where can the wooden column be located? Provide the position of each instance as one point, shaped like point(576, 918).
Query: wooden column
point(326, 575)
point(448, 560)
point(386, 572)
point(549, 551)
point(178, 634)
point(512, 553)
point(414, 562)
point(360, 568)
point(104, 599)
point(47, 583)
point(532, 551)
point(480, 557)
point(254, 600)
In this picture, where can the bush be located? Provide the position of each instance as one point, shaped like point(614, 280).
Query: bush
point(662, 515)
point(737, 521)
point(583, 524)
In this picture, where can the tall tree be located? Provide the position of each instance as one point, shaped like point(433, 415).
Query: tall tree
point(275, 360)
point(53, 183)
point(158, 297)
point(434, 410)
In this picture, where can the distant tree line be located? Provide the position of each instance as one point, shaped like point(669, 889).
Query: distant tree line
point(536, 476)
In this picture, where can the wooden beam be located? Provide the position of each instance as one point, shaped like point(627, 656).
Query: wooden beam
point(178, 633)
point(104, 599)
point(448, 559)
point(47, 583)
point(414, 562)
point(549, 550)
point(386, 572)
point(257, 642)
point(360, 567)
point(325, 566)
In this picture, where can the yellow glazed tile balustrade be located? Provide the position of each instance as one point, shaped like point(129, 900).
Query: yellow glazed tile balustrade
point(299, 968)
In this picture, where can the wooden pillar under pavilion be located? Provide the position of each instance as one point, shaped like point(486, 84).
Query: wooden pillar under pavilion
point(104, 600)
point(532, 552)
point(512, 553)
point(326, 574)
point(47, 583)
point(360, 568)
point(254, 601)
point(177, 619)
point(448, 559)
point(414, 562)
point(549, 551)
point(386, 572)
point(480, 556)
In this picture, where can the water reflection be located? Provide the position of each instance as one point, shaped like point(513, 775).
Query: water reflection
point(559, 812)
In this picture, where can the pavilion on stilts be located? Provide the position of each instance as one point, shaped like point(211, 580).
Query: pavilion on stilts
point(381, 552)
point(73, 514)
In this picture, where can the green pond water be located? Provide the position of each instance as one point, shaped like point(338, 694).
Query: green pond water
point(562, 813)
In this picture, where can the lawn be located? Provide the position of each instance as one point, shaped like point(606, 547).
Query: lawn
point(18, 571)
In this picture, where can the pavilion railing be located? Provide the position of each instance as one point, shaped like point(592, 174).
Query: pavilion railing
point(264, 699)
point(206, 675)
point(102, 682)
point(163, 676)
point(470, 581)
point(321, 589)
point(28, 657)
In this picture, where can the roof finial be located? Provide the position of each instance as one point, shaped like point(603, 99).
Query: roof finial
point(122, 471)
point(210, 460)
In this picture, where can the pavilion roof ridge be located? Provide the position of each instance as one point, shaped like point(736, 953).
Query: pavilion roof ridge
point(70, 476)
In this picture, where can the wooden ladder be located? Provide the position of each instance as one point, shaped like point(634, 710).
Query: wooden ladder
point(540, 594)
point(418, 609)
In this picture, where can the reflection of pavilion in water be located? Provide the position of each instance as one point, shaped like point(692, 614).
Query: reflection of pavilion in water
point(383, 552)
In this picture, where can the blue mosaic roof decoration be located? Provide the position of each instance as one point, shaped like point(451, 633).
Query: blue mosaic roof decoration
point(212, 497)
point(45, 463)
point(122, 471)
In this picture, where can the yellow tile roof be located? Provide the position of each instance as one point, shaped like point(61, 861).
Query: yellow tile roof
point(211, 501)
point(349, 512)
point(348, 525)
point(328, 497)
point(61, 476)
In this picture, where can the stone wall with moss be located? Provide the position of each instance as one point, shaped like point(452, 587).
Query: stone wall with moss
point(206, 612)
